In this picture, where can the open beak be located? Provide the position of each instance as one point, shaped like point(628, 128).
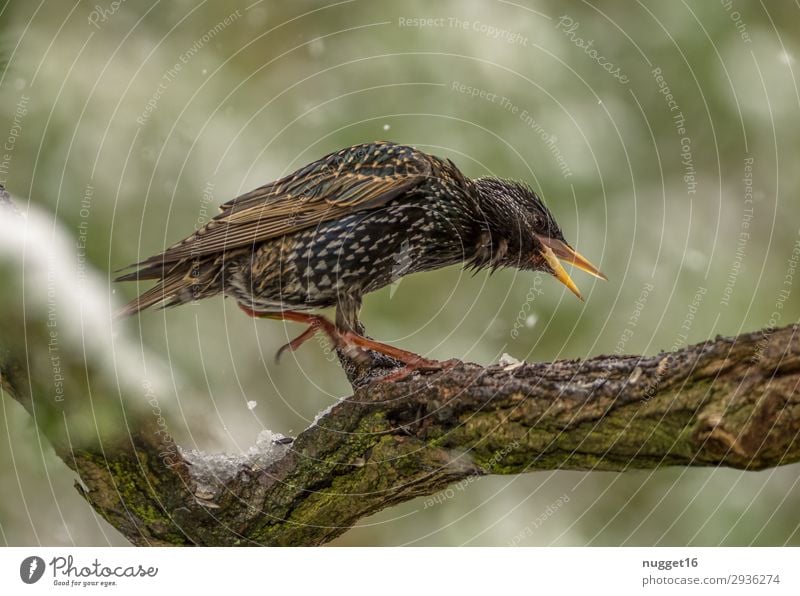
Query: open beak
point(553, 250)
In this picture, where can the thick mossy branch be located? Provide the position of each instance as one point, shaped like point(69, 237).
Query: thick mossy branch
point(730, 402)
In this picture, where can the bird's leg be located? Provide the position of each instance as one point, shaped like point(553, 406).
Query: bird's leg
point(314, 322)
point(349, 326)
point(347, 308)
point(347, 340)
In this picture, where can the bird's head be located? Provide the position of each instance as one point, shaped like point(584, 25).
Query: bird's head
point(521, 232)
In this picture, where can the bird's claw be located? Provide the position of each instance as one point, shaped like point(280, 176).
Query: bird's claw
point(422, 365)
point(357, 347)
point(297, 341)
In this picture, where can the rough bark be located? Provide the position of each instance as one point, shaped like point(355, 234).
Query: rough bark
point(727, 402)
point(730, 402)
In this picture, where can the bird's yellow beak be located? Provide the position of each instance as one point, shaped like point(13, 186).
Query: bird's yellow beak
point(553, 250)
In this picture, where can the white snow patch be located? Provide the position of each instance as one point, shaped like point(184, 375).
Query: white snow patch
point(316, 47)
point(211, 471)
point(251, 405)
point(327, 411)
point(695, 260)
point(508, 362)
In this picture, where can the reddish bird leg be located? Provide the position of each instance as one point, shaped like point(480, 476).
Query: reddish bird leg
point(347, 340)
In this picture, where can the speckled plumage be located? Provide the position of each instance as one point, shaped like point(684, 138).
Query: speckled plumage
point(348, 224)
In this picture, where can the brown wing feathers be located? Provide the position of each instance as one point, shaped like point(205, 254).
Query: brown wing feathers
point(354, 179)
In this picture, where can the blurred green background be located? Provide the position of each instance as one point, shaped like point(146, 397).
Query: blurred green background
point(694, 200)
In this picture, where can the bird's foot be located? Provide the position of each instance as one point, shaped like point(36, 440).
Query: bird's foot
point(412, 362)
point(314, 322)
point(423, 364)
point(352, 344)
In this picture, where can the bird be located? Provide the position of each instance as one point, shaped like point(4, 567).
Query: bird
point(350, 223)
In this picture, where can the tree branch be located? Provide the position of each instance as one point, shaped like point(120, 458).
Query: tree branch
point(728, 402)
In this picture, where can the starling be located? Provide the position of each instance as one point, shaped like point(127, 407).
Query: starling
point(350, 223)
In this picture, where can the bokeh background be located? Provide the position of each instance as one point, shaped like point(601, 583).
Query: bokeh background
point(690, 201)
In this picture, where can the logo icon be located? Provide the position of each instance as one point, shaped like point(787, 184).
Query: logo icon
point(31, 569)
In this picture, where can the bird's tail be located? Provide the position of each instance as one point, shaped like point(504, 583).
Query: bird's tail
point(179, 285)
point(165, 293)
